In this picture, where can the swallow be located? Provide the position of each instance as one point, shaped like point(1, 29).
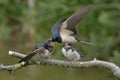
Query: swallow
point(45, 52)
point(65, 30)
point(70, 52)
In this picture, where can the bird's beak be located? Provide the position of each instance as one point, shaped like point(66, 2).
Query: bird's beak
point(67, 46)
point(52, 43)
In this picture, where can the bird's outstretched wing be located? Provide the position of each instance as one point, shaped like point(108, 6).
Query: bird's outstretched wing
point(63, 25)
point(72, 21)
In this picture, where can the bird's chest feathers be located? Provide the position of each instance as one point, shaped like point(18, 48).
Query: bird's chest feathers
point(45, 54)
point(66, 35)
point(71, 55)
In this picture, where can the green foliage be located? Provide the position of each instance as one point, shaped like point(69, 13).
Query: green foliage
point(103, 18)
point(115, 58)
point(5, 31)
point(101, 26)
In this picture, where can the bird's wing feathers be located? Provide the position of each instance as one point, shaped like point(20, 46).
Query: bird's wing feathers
point(56, 27)
point(72, 21)
point(68, 26)
point(37, 49)
point(29, 56)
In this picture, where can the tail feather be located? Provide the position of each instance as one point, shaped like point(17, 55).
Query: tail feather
point(29, 56)
point(82, 55)
point(83, 42)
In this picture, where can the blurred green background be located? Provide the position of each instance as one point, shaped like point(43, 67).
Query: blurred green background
point(25, 23)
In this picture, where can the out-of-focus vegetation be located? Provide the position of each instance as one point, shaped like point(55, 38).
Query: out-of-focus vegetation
point(31, 21)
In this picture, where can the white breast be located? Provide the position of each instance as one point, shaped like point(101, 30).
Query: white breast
point(45, 54)
point(71, 55)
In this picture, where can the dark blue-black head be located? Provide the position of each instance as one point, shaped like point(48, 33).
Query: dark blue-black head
point(57, 38)
point(69, 44)
point(46, 43)
point(55, 30)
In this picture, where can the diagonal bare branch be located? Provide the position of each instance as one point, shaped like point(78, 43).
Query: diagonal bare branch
point(111, 66)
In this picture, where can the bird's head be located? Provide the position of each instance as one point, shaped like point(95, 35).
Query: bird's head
point(46, 43)
point(56, 38)
point(49, 42)
point(68, 45)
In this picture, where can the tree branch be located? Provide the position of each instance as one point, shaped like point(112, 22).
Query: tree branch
point(111, 66)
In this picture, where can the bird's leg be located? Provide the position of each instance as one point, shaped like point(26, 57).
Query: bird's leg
point(71, 62)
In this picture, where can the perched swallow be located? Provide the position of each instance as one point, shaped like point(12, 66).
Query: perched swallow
point(65, 29)
point(70, 52)
point(46, 50)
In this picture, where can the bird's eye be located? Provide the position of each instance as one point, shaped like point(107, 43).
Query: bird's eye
point(69, 43)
